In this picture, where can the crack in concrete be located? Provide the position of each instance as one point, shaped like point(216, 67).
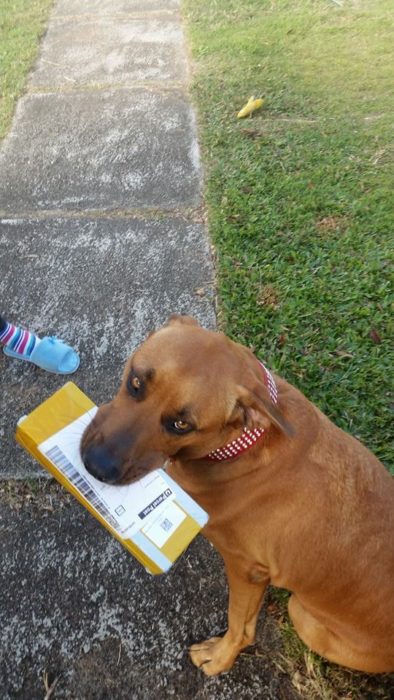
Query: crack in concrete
point(196, 215)
point(153, 14)
point(151, 86)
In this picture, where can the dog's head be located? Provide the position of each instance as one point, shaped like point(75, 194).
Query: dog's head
point(185, 392)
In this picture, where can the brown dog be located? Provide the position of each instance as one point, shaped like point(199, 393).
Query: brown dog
point(311, 512)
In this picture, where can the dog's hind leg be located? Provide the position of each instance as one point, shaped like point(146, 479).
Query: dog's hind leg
point(330, 645)
point(313, 633)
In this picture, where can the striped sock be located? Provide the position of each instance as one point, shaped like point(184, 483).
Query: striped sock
point(18, 340)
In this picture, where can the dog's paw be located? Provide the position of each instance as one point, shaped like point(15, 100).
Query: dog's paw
point(213, 656)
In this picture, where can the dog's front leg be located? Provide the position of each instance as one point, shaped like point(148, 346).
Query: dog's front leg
point(246, 591)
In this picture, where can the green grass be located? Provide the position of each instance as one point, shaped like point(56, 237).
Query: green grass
point(22, 22)
point(301, 210)
point(313, 677)
point(299, 197)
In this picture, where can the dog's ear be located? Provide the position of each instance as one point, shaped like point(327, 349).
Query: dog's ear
point(181, 320)
point(260, 412)
point(253, 401)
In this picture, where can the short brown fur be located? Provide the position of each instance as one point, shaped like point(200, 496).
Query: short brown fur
point(312, 512)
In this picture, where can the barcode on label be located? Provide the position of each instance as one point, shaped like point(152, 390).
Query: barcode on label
point(60, 460)
point(166, 525)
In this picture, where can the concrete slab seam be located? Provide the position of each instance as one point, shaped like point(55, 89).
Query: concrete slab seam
point(150, 86)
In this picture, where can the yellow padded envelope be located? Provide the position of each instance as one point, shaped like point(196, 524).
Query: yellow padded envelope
point(153, 518)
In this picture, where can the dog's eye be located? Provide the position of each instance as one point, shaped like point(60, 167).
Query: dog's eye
point(177, 426)
point(134, 385)
point(181, 425)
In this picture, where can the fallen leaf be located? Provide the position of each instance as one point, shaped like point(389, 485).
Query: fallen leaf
point(375, 337)
point(343, 353)
point(250, 107)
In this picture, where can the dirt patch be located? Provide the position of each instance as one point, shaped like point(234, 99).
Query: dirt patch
point(34, 495)
point(332, 224)
point(268, 297)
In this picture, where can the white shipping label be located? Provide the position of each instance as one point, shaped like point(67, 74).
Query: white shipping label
point(126, 508)
point(160, 529)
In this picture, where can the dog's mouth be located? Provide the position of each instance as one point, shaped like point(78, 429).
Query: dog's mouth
point(132, 475)
point(109, 466)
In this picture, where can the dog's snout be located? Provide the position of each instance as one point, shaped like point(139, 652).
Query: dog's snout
point(102, 464)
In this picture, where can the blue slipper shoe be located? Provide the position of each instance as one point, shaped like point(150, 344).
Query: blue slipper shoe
point(50, 354)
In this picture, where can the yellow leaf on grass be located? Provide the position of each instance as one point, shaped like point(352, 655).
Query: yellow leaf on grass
point(250, 107)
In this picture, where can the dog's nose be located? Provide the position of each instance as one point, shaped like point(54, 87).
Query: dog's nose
point(102, 464)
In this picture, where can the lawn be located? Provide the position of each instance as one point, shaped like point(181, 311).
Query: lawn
point(22, 22)
point(299, 196)
point(300, 211)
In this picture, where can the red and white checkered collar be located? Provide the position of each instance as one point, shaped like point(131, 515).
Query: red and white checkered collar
point(249, 437)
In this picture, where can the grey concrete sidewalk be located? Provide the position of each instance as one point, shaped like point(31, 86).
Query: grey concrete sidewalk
point(101, 238)
point(100, 193)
